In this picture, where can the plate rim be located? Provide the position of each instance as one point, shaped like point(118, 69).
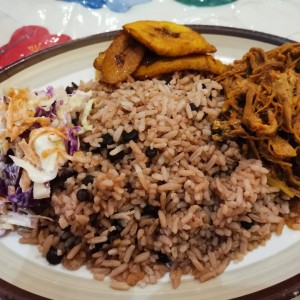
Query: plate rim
point(21, 64)
point(290, 286)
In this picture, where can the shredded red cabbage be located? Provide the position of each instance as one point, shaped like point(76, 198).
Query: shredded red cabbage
point(22, 199)
point(50, 91)
point(41, 112)
point(72, 139)
point(11, 173)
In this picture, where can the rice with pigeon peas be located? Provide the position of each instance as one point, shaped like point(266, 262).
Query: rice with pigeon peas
point(152, 194)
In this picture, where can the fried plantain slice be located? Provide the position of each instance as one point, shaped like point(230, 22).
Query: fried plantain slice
point(169, 39)
point(204, 63)
point(98, 61)
point(121, 58)
point(98, 64)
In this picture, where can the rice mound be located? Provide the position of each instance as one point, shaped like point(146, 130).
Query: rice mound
point(160, 196)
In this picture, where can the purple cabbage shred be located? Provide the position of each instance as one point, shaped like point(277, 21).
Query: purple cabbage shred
point(72, 139)
point(22, 199)
point(50, 91)
point(11, 173)
point(51, 113)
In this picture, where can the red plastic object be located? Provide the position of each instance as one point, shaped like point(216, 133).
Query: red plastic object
point(28, 40)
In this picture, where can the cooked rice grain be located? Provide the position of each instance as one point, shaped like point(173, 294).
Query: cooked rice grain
point(190, 207)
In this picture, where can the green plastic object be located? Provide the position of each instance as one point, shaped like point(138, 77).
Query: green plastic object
point(206, 2)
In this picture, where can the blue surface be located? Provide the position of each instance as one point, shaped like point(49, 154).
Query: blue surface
point(119, 6)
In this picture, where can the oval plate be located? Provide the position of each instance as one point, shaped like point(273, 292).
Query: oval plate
point(23, 267)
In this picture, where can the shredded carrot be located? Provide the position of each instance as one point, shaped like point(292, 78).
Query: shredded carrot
point(29, 153)
point(19, 117)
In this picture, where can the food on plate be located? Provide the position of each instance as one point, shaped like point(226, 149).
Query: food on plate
point(99, 61)
point(136, 179)
point(202, 63)
point(262, 106)
point(169, 39)
point(145, 49)
point(141, 188)
point(121, 58)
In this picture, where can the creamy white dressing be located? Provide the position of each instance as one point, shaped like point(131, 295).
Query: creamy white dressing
point(46, 142)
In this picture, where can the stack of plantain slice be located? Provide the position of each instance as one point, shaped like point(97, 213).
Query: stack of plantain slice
point(145, 49)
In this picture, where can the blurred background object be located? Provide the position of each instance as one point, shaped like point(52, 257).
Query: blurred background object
point(56, 21)
point(206, 2)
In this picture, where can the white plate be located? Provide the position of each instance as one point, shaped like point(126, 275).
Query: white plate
point(23, 266)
